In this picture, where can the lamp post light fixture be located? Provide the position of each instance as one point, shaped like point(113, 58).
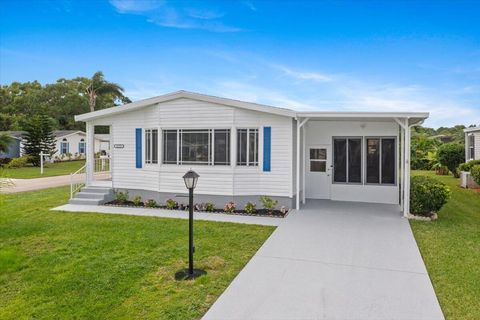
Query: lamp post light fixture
point(190, 178)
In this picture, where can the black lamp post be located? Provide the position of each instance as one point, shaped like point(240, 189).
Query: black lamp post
point(190, 179)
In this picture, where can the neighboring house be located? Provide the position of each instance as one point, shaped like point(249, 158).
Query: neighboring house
point(14, 149)
point(243, 150)
point(66, 142)
point(472, 143)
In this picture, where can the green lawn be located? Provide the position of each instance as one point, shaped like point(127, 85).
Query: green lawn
point(57, 265)
point(450, 248)
point(50, 170)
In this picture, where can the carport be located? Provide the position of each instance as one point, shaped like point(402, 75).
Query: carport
point(334, 260)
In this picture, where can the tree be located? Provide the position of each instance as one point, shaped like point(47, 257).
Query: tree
point(98, 86)
point(451, 155)
point(39, 137)
point(61, 100)
point(5, 141)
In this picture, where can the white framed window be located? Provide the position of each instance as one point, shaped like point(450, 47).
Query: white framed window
point(318, 160)
point(380, 161)
point(81, 146)
point(471, 147)
point(247, 147)
point(196, 146)
point(151, 146)
point(64, 146)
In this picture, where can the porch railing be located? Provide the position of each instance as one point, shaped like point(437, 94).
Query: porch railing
point(101, 165)
point(77, 181)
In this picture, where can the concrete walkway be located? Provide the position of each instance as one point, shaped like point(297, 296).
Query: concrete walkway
point(334, 260)
point(266, 221)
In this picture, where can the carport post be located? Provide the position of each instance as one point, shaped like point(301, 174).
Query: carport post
point(297, 191)
point(90, 156)
point(405, 164)
point(406, 204)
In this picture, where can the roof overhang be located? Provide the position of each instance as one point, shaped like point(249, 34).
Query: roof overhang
point(473, 129)
point(71, 134)
point(188, 95)
point(413, 117)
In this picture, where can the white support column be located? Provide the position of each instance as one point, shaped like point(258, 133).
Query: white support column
point(402, 166)
point(297, 190)
point(303, 162)
point(297, 180)
point(90, 157)
point(406, 206)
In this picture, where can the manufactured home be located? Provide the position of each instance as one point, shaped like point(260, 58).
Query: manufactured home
point(69, 144)
point(243, 150)
point(472, 143)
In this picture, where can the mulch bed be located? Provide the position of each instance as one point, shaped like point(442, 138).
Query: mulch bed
point(258, 213)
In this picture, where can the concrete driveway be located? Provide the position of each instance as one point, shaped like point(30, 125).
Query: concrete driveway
point(334, 260)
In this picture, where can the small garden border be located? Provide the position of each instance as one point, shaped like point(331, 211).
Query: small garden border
point(275, 213)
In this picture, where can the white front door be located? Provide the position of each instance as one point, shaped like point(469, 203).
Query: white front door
point(318, 171)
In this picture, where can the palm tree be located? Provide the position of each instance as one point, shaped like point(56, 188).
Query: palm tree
point(99, 86)
point(5, 141)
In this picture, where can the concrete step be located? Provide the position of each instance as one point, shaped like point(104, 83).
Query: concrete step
point(104, 190)
point(91, 195)
point(91, 202)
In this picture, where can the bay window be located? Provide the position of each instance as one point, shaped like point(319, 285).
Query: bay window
point(247, 147)
point(381, 164)
point(151, 146)
point(196, 146)
point(347, 160)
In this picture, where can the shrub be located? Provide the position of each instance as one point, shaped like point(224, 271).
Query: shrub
point(209, 207)
point(427, 195)
point(451, 155)
point(171, 204)
point(137, 200)
point(121, 197)
point(229, 207)
point(475, 172)
point(467, 166)
point(250, 208)
point(17, 162)
point(150, 203)
point(5, 161)
point(268, 203)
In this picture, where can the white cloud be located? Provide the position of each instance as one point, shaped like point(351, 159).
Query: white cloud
point(180, 16)
point(250, 5)
point(304, 75)
point(136, 6)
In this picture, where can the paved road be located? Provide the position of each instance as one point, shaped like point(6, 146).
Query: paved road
point(334, 260)
point(21, 185)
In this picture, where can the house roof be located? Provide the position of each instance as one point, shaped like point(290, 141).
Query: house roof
point(14, 134)
point(414, 117)
point(472, 129)
point(64, 133)
point(184, 94)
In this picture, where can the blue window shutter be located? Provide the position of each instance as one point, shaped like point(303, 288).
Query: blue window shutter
point(138, 147)
point(267, 137)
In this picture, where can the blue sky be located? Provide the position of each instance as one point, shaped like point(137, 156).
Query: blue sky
point(310, 55)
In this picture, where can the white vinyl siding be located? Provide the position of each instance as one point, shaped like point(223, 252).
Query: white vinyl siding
point(214, 179)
